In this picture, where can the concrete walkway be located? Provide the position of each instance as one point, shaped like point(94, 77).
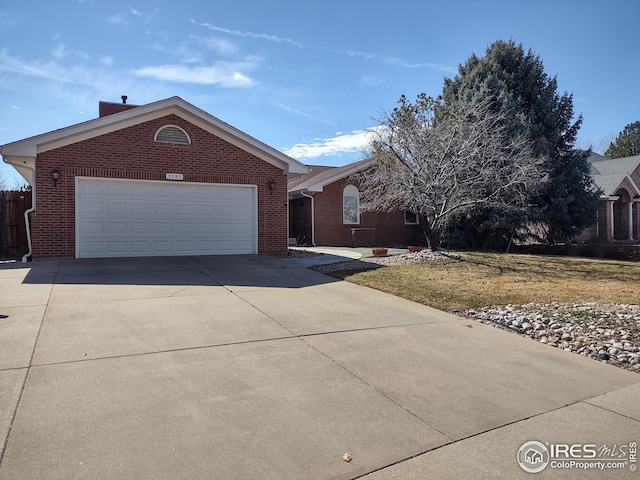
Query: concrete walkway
point(252, 367)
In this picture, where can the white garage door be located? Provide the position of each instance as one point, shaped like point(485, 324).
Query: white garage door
point(136, 218)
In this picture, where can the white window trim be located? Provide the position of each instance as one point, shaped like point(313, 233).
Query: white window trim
point(353, 193)
point(410, 223)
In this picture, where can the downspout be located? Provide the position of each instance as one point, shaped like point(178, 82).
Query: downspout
point(32, 209)
point(313, 221)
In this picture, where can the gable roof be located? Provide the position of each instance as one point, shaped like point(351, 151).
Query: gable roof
point(610, 173)
point(319, 176)
point(23, 153)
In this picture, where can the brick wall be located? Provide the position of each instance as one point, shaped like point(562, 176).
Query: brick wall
point(109, 108)
point(331, 231)
point(132, 153)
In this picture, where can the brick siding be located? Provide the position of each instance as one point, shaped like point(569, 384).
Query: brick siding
point(131, 153)
point(390, 229)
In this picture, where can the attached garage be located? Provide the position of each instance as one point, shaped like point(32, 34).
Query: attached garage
point(160, 179)
point(129, 218)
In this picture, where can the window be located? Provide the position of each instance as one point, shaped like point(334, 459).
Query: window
point(350, 205)
point(172, 134)
point(410, 218)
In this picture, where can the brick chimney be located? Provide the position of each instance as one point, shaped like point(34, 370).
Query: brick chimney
point(109, 108)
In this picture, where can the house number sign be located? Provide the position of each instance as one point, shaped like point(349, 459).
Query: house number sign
point(175, 176)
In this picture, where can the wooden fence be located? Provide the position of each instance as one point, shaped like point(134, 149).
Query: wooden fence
point(13, 230)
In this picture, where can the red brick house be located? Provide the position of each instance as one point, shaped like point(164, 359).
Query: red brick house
point(160, 179)
point(324, 209)
point(619, 210)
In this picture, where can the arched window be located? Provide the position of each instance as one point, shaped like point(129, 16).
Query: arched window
point(172, 134)
point(350, 205)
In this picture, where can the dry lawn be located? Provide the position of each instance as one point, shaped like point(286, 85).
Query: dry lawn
point(485, 279)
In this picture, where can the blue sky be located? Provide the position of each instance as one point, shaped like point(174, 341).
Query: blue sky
point(304, 77)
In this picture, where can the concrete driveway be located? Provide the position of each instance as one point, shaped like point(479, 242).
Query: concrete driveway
point(253, 367)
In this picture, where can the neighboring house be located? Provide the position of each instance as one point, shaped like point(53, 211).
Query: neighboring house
point(160, 179)
point(619, 210)
point(324, 209)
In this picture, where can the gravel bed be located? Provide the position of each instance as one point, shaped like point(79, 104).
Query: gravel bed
point(371, 263)
point(609, 333)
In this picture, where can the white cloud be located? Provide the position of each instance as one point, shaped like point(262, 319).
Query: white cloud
point(125, 18)
point(58, 77)
point(238, 33)
point(220, 45)
point(60, 51)
point(226, 74)
point(371, 80)
point(119, 19)
point(241, 77)
point(106, 60)
point(393, 61)
point(341, 144)
point(289, 109)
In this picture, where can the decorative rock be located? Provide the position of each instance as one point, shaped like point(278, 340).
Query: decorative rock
point(606, 332)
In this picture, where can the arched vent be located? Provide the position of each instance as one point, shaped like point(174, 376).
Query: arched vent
point(172, 134)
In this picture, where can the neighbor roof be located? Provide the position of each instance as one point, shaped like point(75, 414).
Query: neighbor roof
point(319, 176)
point(23, 153)
point(609, 173)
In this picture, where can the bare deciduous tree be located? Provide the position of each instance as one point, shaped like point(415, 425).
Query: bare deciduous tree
point(446, 164)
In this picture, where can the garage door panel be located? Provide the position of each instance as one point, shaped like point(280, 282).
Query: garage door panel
point(184, 228)
point(117, 208)
point(93, 227)
point(116, 227)
point(114, 247)
point(146, 218)
point(114, 190)
point(93, 247)
point(162, 227)
point(162, 209)
point(140, 208)
point(92, 207)
point(139, 191)
point(140, 227)
point(184, 209)
point(160, 246)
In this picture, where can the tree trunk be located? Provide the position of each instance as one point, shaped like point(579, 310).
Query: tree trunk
point(432, 234)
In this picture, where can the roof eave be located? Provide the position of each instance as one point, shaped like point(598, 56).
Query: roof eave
point(32, 146)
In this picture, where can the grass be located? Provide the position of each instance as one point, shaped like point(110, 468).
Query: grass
point(485, 279)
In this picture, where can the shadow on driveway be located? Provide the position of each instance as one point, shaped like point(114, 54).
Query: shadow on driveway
point(232, 271)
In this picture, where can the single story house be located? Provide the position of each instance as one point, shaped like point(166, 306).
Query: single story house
point(324, 209)
point(160, 179)
point(619, 210)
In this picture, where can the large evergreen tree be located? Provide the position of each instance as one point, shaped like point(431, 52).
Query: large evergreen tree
point(515, 82)
point(627, 144)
